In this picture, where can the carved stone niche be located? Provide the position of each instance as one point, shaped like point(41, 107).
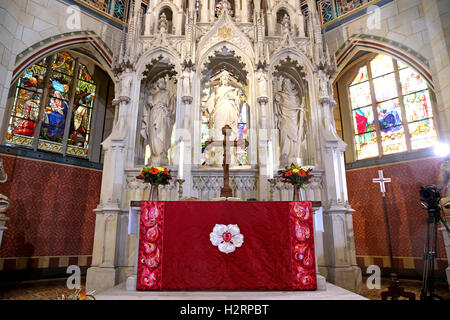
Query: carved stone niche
point(291, 150)
point(158, 68)
point(218, 62)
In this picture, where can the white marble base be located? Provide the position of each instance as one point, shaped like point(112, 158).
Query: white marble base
point(332, 293)
point(321, 282)
point(131, 283)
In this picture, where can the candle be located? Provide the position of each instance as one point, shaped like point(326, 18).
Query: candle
point(181, 160)
point(299, 162)
point(270, 161)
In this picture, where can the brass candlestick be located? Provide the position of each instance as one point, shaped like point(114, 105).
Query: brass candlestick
point(180, 188)
point(272, 185)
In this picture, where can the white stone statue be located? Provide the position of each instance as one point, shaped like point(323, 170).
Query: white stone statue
point(285, 24)
point(186, 84)
point(224, 106)
point(163, 23)
point(323, 84)
point(261, 76)
point(287, 107)
point(158, 120)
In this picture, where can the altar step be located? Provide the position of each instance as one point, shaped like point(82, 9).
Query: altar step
point(331, 293)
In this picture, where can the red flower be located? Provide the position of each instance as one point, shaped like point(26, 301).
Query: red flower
point(302, 173)
point(289, 173)
point(154, 171)
point(166, 172)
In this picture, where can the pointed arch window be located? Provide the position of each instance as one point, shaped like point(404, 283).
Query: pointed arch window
point(53, 106)
point(391, 109)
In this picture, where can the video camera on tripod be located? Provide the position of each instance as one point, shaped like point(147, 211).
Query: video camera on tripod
point(431, 200)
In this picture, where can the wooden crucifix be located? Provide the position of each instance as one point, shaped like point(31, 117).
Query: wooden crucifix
point(226, 191)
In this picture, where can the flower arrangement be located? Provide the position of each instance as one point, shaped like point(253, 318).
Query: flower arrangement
point(155, 175)
point(297, 176)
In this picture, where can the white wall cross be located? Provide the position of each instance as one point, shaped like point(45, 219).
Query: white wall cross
point(381, 180)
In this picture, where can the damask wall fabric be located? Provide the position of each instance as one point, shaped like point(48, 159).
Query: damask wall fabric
point(407, 219)
point(51, 212)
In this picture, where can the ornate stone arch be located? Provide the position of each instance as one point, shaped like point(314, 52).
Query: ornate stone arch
point(160, 6)
point(225, 30)
point(384, 46)
point(101, 54)
point(249, 68)
point(286, 6)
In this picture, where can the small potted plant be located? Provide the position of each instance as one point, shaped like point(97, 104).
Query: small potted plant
point(155, 176)
point(296, 175)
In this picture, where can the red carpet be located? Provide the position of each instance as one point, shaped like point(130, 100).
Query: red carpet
point(277, 253)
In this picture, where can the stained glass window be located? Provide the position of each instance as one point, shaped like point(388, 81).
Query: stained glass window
point(400, 98)
point(65, 112)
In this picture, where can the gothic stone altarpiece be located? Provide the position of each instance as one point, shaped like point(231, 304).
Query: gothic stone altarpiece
point(181, 78)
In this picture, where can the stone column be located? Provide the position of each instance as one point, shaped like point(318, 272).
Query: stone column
point(105, 272)
point(244, 11)
point(271, 23)
point(148, 22)
point(301, 24)
point(177, 22)
point(204, 12)
point(339, 244)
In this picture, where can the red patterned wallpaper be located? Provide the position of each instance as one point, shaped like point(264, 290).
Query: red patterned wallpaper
point(51, 208)
point(407, 219)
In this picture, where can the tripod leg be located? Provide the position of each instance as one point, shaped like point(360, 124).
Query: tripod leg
point(424, 291)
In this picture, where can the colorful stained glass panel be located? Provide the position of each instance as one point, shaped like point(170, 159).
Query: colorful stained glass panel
point(85, 75)
point(360, 95)
point(385, 87)
point(411, 81)
point(389, 114)
point(33, 78)
point(418, 106)
point(381, 65)
point(366, 145)
point(85, 94)
point(393, 140)
point(59, 86)
point(363, 120)
point(401, 65)
point(362, 76)
point(423, 134)
point(64, 63)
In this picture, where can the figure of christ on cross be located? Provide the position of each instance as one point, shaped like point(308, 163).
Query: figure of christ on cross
point(226, 191)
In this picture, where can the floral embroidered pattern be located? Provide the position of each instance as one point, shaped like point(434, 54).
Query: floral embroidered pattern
point(149, 263)
point(302, 245)
point(227, 238)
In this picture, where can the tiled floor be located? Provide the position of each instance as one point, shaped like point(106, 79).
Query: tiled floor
point(52, 289)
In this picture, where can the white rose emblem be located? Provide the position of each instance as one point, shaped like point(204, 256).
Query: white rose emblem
point(227, 238)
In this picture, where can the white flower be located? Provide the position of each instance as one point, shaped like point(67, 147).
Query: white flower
point(227, 238)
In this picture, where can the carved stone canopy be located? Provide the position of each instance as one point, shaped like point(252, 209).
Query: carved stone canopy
point(159, 68)
point(291, 69)
point(225, 59)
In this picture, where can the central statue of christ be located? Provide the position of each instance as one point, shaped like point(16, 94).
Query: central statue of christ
point(224, 106)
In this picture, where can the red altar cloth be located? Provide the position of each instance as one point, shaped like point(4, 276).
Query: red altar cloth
point(175, 251)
